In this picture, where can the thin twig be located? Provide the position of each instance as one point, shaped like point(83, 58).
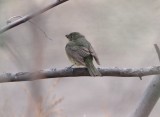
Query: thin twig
point(28, 17)
point(40, 29)
point(157, 50)
point(11, 19)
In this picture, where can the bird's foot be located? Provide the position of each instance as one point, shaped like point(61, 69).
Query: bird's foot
point(70, 67)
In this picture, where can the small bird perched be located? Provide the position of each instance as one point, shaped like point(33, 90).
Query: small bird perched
point(80, 52)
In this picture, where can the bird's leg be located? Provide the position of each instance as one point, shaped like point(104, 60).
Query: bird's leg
point(70, 66)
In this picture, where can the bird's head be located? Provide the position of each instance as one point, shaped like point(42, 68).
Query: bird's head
point(74, 35)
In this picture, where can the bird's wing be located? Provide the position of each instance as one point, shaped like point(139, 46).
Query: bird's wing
point(93, 53)
point(77, 53)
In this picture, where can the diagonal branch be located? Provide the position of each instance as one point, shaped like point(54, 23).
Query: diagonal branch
point(157, 50)
point(150, 96)
point(28, 17)
point(76, 72)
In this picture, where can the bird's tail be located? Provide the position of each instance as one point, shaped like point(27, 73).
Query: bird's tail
point(91, 68)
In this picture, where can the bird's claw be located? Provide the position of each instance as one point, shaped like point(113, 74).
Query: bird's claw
point(70, 68)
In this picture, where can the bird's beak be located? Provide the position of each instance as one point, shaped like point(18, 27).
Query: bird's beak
point(66, 36)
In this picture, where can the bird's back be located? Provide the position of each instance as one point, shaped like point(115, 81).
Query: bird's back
point(82, 42)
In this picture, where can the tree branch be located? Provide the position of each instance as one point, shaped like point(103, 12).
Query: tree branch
point(28, 17)
point(148, 99)
point(76, 72)
point(150, 96)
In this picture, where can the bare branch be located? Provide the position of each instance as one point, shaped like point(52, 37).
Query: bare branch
point(150, 96)
point(149, 99)
point(75, 72)
point(28, 17)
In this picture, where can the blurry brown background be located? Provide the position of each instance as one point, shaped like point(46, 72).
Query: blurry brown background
point(121, 31)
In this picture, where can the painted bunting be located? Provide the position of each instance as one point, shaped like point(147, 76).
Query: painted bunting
point(80, 52)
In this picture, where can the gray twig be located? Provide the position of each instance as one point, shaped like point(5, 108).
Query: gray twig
point(157, 50)
point(11, 19)
point(28, 17)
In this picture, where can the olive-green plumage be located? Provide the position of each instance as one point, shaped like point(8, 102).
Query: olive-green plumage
point(80, 52)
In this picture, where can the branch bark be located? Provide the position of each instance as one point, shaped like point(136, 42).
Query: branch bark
point(76, 72)
point(28, 17)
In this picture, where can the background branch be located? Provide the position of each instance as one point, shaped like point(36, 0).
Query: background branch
point(28, 17)
point(75, 72)
point(150, 96)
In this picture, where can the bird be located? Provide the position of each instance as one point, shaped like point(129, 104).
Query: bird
point(81, 53)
